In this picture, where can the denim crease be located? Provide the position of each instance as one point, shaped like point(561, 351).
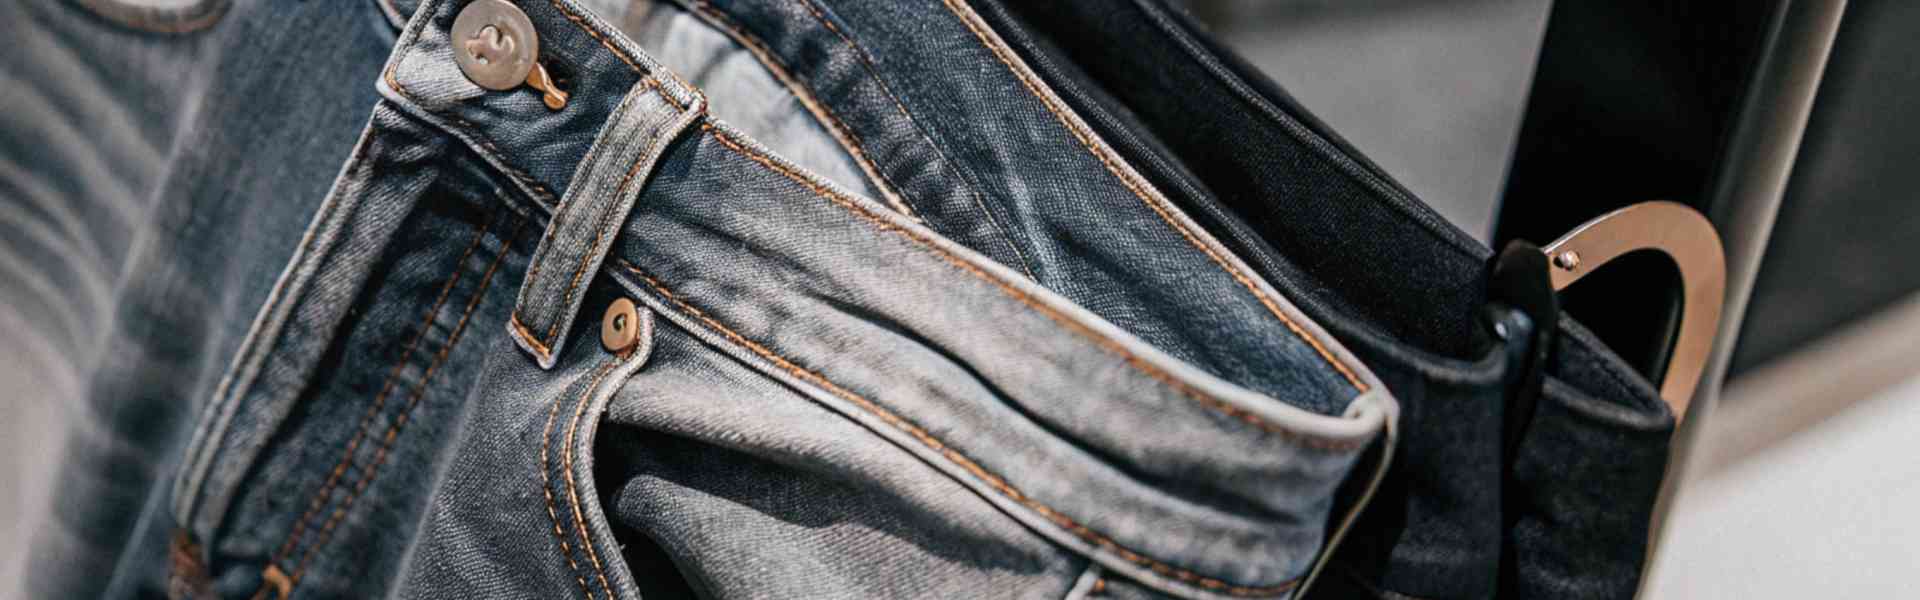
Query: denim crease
point(414, 416)
point(935, 298)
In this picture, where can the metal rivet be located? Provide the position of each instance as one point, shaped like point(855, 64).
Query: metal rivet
point(1568, 260)
point(495, 44)
point(620, 329)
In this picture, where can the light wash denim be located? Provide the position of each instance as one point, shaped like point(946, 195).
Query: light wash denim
point(831, 397)
point(923, 314)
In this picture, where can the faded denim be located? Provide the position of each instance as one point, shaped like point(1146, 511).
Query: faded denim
point(1001, 328)
point(834, 399)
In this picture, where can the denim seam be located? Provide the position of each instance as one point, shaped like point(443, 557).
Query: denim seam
point(873, 72)
point(573, 493)
point(400, 420)
point(539, 191)
point(529, 337)
point(604, 224)
point(954, 456)
point(379, 400)
point(252, 347)
point(546, 484)
point(617, 52)
point(561, 214)
point(1005, 288)
point(546, 489)
point(809, 99)
point(1134, 186)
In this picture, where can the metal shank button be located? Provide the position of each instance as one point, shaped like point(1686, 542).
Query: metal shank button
point(620, 329)
point(495, 44)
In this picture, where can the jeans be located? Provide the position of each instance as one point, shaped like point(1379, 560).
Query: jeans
point(828, 397)
point(989, 332)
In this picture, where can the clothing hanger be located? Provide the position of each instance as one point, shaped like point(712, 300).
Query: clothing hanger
point(1683, 235)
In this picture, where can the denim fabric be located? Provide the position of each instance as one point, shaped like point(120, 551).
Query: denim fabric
point(1567, 514)
point(983, 154)
point(831, 399)
point(740, 89)
point(1004, 362)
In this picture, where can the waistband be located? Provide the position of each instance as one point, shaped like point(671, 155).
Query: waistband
point(958, 359)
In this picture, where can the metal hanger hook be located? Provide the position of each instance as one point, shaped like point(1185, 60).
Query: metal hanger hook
point(1685, 236)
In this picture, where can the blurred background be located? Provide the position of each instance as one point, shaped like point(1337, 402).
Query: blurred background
point(1788, 123)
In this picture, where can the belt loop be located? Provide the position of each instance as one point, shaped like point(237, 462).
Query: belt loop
point(604, 189)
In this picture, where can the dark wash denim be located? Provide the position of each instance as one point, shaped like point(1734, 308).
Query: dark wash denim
point(1567, 513)
point(831, 398)
point(1564, 514)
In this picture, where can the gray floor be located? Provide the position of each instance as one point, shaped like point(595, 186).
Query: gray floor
point(1806, 486)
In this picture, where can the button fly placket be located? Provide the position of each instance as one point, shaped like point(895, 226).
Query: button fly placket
point(604, 187)
point(597, 154)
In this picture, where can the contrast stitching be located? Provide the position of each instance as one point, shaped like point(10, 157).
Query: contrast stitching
point(605, 223)
point(807, 97)
point(573, 494)
point(224, 396)
point(546, 483)
point(874, 73)
point(380, 400)
point(954, 456)
point(561, 213)
point(596, 35)
point(487, 142)
point(617, 52)
point(528, 337)
point(540, 191)
point(419, 391)
point(699, 97)
point(1078, 328)
point(1086, 140)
